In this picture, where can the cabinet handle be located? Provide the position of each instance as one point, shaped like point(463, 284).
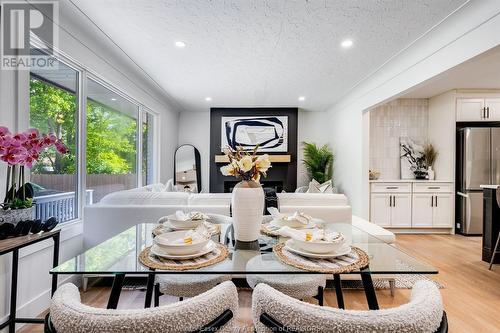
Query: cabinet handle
point(394, 201)
point(390, 201)
point(432, 201)
point(436, 200)
point(484, 113)
point(488, 112)
point(433, 187)
point(391, 187)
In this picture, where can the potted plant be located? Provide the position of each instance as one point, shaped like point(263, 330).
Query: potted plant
point(20, 151)
point(247, 200)
point(430, 157)
point(318, 162)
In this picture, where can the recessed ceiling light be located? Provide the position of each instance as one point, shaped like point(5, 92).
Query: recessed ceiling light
point(113, 99)
point(346, 43)
point(180, 44)
point(208, 99)
point(302, 98)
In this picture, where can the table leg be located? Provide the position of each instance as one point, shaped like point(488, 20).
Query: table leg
point(13, 291)
point(55, 262)
point(149, 290)
point(371, 297)
point(116, 290)
point(338, 291)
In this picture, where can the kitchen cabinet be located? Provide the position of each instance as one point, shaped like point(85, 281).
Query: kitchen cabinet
point(391, 204)
point(417, 204)
point(478, 109)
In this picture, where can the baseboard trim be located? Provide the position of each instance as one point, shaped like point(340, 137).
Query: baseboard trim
point(38, 304)
point(440, 231)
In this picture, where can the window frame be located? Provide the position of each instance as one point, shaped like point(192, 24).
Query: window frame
point(84, 73)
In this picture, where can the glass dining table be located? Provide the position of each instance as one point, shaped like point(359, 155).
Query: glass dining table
point(118, 257)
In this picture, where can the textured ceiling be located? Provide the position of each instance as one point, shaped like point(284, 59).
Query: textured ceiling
point(263, 53)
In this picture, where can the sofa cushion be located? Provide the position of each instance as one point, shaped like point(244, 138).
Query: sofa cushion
point(374, 230)
point(312, 199)
point(135, 197)
point(209, 199)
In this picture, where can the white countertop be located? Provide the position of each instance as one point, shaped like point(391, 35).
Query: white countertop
point(411, 181)
point(493, 187)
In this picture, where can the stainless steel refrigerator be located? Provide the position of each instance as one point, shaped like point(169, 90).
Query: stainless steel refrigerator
point(478, 163)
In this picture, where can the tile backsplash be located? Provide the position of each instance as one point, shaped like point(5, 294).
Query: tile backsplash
point(389, 122)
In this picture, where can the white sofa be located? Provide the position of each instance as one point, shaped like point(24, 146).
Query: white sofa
point(119, 211)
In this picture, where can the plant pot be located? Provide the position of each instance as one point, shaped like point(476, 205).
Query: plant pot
point(15, 215)
point(247, 206)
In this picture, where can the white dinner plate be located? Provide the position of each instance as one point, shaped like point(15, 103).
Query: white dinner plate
point(278, 224)
point(289, 245)
point(161, 253)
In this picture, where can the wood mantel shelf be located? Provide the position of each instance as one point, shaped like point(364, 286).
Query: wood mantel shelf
point(272, 158)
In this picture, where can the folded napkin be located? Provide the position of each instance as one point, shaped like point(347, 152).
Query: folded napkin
point(309, 235)
point(297, 216)
point(192, 236)
point(191, 216)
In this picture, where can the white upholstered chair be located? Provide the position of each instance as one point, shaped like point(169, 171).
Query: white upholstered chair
point(206, 312)
point(189, 285)
point(274, 311)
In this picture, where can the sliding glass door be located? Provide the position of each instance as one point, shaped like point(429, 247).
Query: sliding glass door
point(111, 141)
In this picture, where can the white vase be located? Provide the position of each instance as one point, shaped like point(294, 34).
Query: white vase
point(431, 173)
point(247, 207)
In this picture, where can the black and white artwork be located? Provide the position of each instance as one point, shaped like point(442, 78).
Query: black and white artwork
point(412, 156)
point(269, 132)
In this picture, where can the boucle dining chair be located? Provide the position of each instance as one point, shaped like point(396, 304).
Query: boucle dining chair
point(273, 311)
point(189, 285)
point(495, 249)
point(211, 311)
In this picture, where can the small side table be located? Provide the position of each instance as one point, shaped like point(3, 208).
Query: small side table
point(14, 245)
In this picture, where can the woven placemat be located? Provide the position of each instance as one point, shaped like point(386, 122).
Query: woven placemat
point(213, 229)
point(149, 260)
point(355, 260)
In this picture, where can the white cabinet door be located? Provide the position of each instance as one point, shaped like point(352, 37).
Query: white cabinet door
point(443, 210)
point(492, 108)
point(422, 214)
point(401, 210)
point(470, 109)
point(380, 209)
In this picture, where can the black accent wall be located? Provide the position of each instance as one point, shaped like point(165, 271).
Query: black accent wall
point(280, 173)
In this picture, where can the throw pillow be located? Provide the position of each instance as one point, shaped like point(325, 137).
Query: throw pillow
point(316, 187)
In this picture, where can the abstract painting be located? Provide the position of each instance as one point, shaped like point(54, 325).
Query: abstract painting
point(269, 132)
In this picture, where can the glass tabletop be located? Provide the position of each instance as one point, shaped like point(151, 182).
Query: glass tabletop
point(119, 255)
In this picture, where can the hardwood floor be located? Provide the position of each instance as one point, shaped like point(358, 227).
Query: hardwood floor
point(471, 294)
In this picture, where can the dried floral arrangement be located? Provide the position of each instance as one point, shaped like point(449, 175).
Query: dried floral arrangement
point(245, 165)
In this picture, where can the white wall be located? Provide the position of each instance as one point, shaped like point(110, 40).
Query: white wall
point(194, 128)
point(312, 128)
point(469, 32)
point(87, 46)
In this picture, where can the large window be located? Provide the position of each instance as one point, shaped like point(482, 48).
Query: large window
point(111, 142)
point(54, 109)
point(119, 153)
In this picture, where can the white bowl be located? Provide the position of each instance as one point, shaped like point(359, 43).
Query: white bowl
point(320, 247)
point(166, 242)
point(187, 224)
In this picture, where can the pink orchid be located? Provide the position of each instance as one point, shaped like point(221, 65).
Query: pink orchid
point(32, 133)
point(61, 148)
point(4, 131)
point(20, 137)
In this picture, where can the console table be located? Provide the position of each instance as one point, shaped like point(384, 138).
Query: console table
point(14, 245)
